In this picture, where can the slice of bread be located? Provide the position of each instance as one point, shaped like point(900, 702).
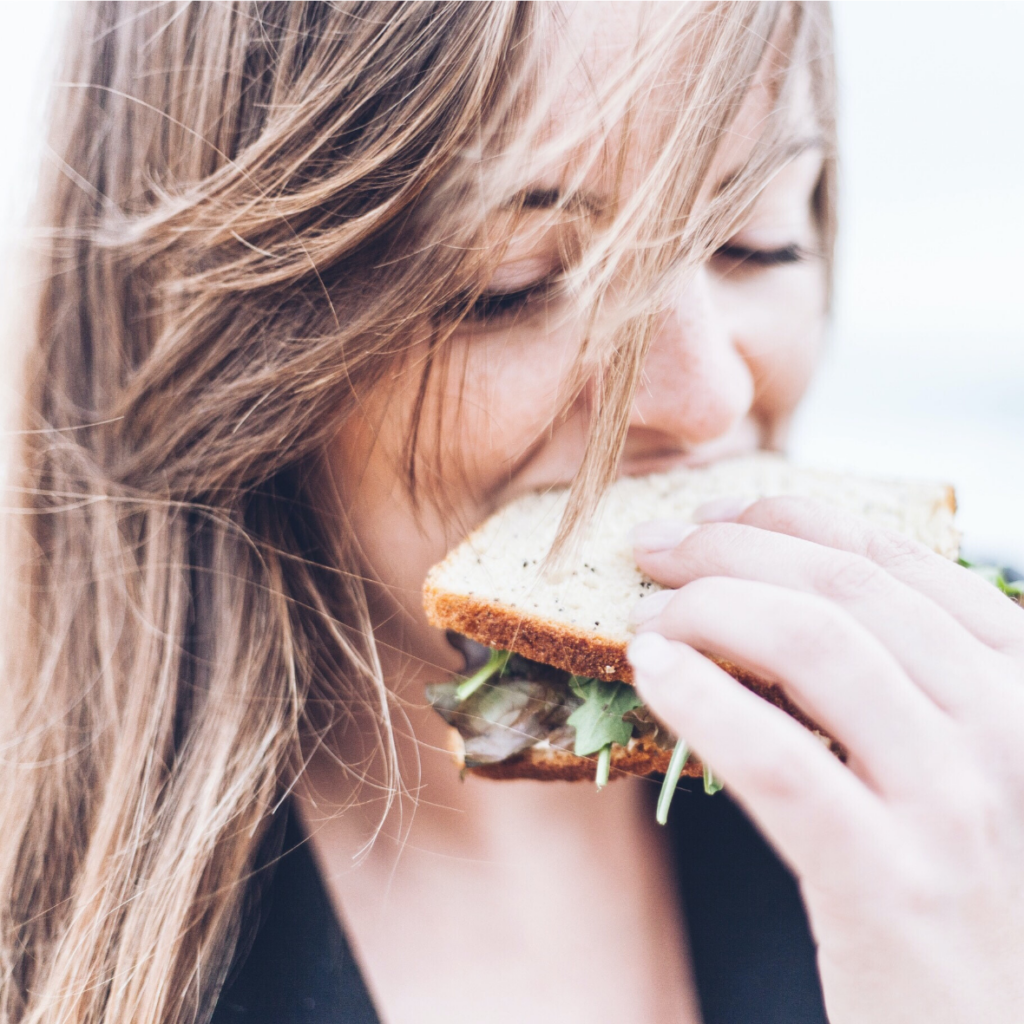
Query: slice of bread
point(491, 587)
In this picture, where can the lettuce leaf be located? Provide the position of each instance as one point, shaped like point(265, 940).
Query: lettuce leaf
point(598, 720)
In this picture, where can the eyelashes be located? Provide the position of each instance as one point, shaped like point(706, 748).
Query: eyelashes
point(492, 306)
point(500, 307)
point(762, 257)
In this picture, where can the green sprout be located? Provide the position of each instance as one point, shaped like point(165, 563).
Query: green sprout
point(604, 766)
point(680, 755)
point(495, 665)
point(711, 784)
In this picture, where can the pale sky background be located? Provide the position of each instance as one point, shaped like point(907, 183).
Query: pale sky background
point(925, 373)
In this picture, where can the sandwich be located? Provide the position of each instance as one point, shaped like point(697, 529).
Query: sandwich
point(547, 692)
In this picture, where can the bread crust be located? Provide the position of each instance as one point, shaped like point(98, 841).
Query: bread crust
point(493, 624)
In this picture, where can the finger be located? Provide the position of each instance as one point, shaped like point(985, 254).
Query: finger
point(819, 817)
point(938, 652)
point(979, 606)
point(833, 668)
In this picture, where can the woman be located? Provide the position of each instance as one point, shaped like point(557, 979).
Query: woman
point(328, 284)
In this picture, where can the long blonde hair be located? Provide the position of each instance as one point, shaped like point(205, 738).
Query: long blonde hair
point(249, 207)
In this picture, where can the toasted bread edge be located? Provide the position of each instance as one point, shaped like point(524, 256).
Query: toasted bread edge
point(510, 629)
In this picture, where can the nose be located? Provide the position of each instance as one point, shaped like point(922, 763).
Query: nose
point(696, 384)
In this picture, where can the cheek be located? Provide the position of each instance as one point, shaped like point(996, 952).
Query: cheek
point(505, 394)
point(486, 410)
point(397, 541)
point(778, 321)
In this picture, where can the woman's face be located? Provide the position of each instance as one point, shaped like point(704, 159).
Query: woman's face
point(730, 360)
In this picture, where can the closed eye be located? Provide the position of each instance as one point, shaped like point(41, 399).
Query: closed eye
point(762, 257)
point(497, 306)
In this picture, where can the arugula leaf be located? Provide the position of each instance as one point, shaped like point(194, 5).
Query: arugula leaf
point(495, 664)
point(598, 720)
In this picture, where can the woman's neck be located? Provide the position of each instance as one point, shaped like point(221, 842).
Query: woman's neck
point(469, 887)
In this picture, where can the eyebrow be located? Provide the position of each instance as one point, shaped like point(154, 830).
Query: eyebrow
point(797, 149)
point(550, 198)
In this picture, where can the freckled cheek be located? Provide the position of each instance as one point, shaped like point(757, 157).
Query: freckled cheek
point(514, 390)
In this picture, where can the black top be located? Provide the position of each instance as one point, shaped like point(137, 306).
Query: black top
point(753, 956)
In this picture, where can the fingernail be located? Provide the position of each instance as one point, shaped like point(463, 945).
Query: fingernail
point(650, 605)
point(722, 510)
point(660, 534)
point(651, 656)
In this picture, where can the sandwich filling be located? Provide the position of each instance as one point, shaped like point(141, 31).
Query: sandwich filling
point(510, 704)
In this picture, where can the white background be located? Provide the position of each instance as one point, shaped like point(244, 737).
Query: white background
point(925, 372)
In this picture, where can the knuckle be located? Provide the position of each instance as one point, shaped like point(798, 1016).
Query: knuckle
point(787, 513)
point(851, 576)
point(816, 635)
point(713, 549)
point(914, 883)
point(970, 813)
point(716, 545)
point(894, 550)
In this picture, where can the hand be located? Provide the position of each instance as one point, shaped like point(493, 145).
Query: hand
point(910, 857)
